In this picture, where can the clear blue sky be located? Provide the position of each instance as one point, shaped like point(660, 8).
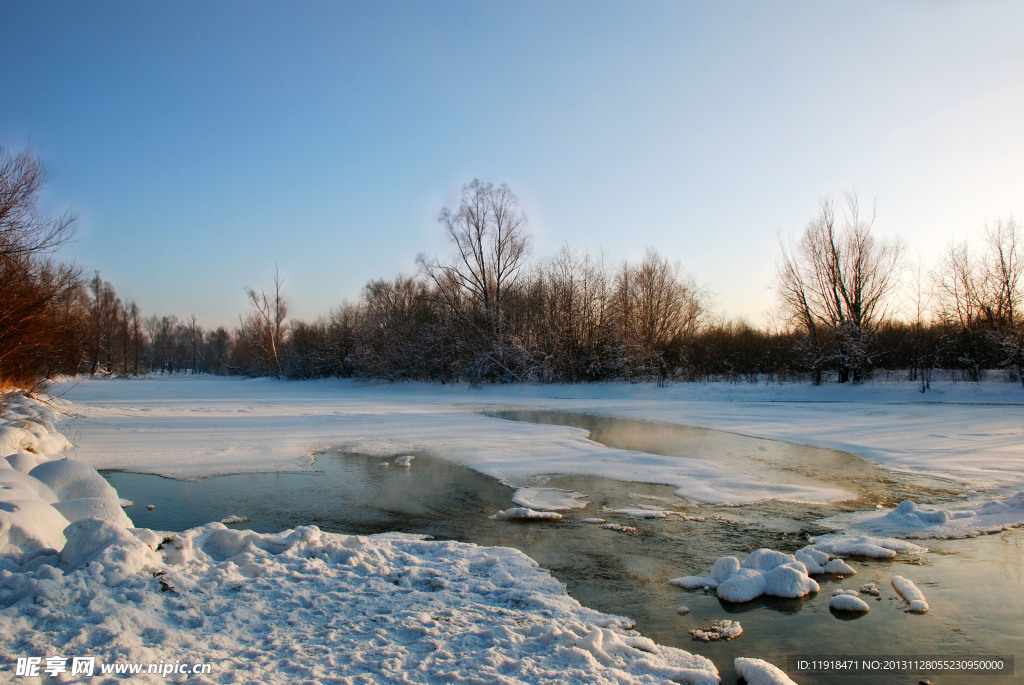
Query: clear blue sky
point(203, 142)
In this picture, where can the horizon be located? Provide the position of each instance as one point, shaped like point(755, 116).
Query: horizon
point(325, 139)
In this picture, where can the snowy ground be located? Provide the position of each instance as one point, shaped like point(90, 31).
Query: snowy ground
point(305, 604)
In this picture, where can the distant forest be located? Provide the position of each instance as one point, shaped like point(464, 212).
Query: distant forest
point(849, 307)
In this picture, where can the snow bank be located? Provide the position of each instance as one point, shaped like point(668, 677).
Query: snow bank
point(759, 672)
point(304, 605)
point(763, 572)
point(40, 497)
point(910, 592)
point(549, 499)
point(526, 514)
point(958, 520)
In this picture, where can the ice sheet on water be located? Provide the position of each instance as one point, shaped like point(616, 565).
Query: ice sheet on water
point(956, 520)
point(525, 514)
point(549, 499)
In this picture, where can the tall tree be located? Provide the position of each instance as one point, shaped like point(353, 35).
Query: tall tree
point(835, 283)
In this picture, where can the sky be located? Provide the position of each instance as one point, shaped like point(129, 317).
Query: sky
point(204, 144)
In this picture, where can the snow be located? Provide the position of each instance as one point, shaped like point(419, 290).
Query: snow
point(911, 593)
point(760, 672)
point(526, 514)
point(956, 520)
point(103, 508)
point(234, 518)
point(763, 572)
point(71, 479)
point(848, 600)
point(307, 605)
point(865, 546)
point(548, 499)
point(304, 605)
point(724, 629)
point(405, 461)
point(22, 461)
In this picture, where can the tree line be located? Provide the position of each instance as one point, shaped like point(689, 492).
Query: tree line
point(486, 312)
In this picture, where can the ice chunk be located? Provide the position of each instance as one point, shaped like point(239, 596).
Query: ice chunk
point(910, 592)
point(766, 559)
point(759, 672)
point(593, 520)
point(743, 586)
point(764, 571)
point(405, 461)
point(234, 519)
point(719, 630)
point(865, 546)
point(526, 514)
point(549, 499)
point(870, 589)
point(849, 601)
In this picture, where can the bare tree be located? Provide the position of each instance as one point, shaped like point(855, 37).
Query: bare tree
point(488, 232)
point(266, 323)
point(835, 283)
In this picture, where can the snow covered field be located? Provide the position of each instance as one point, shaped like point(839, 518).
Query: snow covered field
point(306, 604)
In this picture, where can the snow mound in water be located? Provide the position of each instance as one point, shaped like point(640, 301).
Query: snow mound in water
point(848, 600)
point(763, 572)
point(911, 593)
point(526, 514)
point(759, 672)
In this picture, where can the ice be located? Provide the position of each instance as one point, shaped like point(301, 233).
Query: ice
point(870, 589)
point(848, 600)
point(405, 460)
point(621, 528)
point(910, 592)
point(759, 672)
point(642, 512)
point(865, 546)
point(527, 514)
point(234, 518)
point(548, 499)
point(763, 572)
point(719, 630)
point(957, 520)
point(593, 520)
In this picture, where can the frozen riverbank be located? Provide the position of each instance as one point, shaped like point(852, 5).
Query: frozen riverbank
point(187, 427)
